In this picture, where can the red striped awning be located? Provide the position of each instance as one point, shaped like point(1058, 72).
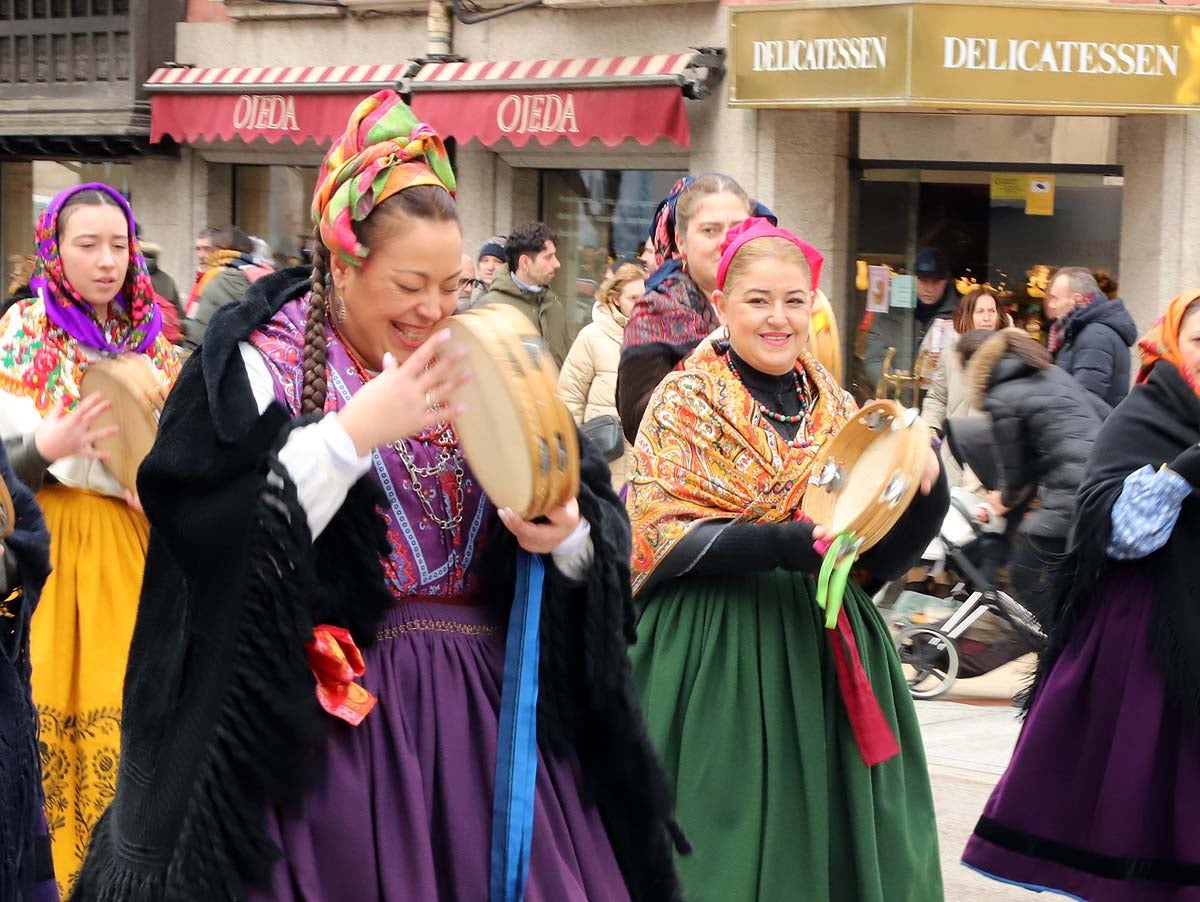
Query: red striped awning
point(190, 79)
point(610, 99)
point(595, 72)
point(296, 103)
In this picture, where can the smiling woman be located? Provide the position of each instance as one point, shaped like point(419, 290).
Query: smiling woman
point(733, 658)
point(329, 585)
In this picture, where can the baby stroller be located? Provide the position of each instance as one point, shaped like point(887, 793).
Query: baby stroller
point(989, 627)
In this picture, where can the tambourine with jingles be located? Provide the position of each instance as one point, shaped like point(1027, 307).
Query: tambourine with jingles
point(863, 480)
point(861, 484)
point(518, 437)
point(135, 394)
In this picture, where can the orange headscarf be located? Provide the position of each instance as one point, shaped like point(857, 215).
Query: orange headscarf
point(1162, 341)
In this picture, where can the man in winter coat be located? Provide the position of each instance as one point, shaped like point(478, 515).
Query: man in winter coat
point(1091, 335)
point(936, 301)
point(532, 257)
point(231, 271)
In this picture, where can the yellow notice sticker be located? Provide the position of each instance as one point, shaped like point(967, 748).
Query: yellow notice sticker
point(1009, 185)
point(1040, 199)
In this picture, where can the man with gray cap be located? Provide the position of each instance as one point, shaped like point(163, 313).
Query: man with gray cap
point(936, 300)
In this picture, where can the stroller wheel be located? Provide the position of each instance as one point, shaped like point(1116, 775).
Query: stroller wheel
point(929, 660)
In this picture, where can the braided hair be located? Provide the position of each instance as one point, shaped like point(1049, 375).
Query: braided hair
point(314, 330)
point(427, 203)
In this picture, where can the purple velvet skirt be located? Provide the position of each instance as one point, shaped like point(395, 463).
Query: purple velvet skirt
point(405, 808)
point(1102, 798)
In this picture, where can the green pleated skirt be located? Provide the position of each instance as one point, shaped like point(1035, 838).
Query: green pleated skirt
point(742, 700)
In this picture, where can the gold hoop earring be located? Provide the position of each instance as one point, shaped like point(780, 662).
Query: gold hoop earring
point(683, 263)
point(337, 305)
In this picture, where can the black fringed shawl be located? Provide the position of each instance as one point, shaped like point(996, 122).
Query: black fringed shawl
point(1157, 423)
point(21, 856)
point(220, 713)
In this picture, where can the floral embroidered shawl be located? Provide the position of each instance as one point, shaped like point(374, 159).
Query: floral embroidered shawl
point(40, 361)
point(705, 452)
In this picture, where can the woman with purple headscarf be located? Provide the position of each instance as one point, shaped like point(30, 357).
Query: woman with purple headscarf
point(92, 298)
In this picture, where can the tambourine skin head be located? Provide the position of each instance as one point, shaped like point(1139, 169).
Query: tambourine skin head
point(135, 394)
point(865, 477)
point(517, 436)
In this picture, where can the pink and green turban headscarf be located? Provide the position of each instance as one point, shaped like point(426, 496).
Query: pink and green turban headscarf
point(385, 149)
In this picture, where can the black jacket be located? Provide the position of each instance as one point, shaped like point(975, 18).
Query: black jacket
point(1043, 424)
point(1095, 348)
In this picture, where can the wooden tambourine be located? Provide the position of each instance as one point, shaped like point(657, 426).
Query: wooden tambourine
point(8, 513)
point(517, 436)
point(131, 386)
point(865, 478)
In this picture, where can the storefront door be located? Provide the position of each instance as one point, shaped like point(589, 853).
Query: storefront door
point(1007, 230)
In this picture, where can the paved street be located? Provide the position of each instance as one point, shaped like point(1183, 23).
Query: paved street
point(968, 741)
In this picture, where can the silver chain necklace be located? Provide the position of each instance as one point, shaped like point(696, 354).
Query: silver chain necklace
point(446, 459)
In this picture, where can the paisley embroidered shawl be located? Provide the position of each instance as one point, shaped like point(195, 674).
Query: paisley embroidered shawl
point(705, 452)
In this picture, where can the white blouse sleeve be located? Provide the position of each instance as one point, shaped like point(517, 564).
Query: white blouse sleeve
point(320, 457)
point(19, 417)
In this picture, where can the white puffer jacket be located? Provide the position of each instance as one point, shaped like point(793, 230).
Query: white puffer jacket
point(587, 383)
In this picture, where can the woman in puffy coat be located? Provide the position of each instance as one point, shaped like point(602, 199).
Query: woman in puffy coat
point(1043, 426)
point(588, 381)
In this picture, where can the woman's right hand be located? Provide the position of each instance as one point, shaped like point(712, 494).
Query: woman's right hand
point(63, 434)
point(396, 403)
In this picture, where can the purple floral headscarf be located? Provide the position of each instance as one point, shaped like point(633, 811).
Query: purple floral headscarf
point(137, 312)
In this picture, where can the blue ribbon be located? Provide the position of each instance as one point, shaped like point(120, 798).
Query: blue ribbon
point(516, 750)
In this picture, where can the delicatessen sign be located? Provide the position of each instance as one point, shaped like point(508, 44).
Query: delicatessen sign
point(967, 56)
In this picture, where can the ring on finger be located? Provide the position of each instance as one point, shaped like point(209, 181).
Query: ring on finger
point(429, 401)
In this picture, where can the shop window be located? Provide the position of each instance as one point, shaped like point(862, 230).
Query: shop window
point(1005, 230)
point(272, 203)
point(601, 215)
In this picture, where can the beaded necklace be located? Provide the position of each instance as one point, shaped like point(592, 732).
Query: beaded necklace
point(801, 380)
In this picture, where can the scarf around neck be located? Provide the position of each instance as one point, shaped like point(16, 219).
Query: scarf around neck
point(705, 452)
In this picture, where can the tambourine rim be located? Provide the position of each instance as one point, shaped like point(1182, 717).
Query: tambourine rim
point(871, 524)
point(472, 326)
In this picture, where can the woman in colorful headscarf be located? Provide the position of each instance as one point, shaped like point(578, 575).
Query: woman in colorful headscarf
point(92, 297)
point(677, 311)
point(1099, 800)
point(794, 750)
point(320, 648)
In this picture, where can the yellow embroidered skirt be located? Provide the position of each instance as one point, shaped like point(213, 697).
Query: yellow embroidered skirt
point(79, 641)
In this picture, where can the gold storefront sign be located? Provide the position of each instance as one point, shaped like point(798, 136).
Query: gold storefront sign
point(983, 56)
